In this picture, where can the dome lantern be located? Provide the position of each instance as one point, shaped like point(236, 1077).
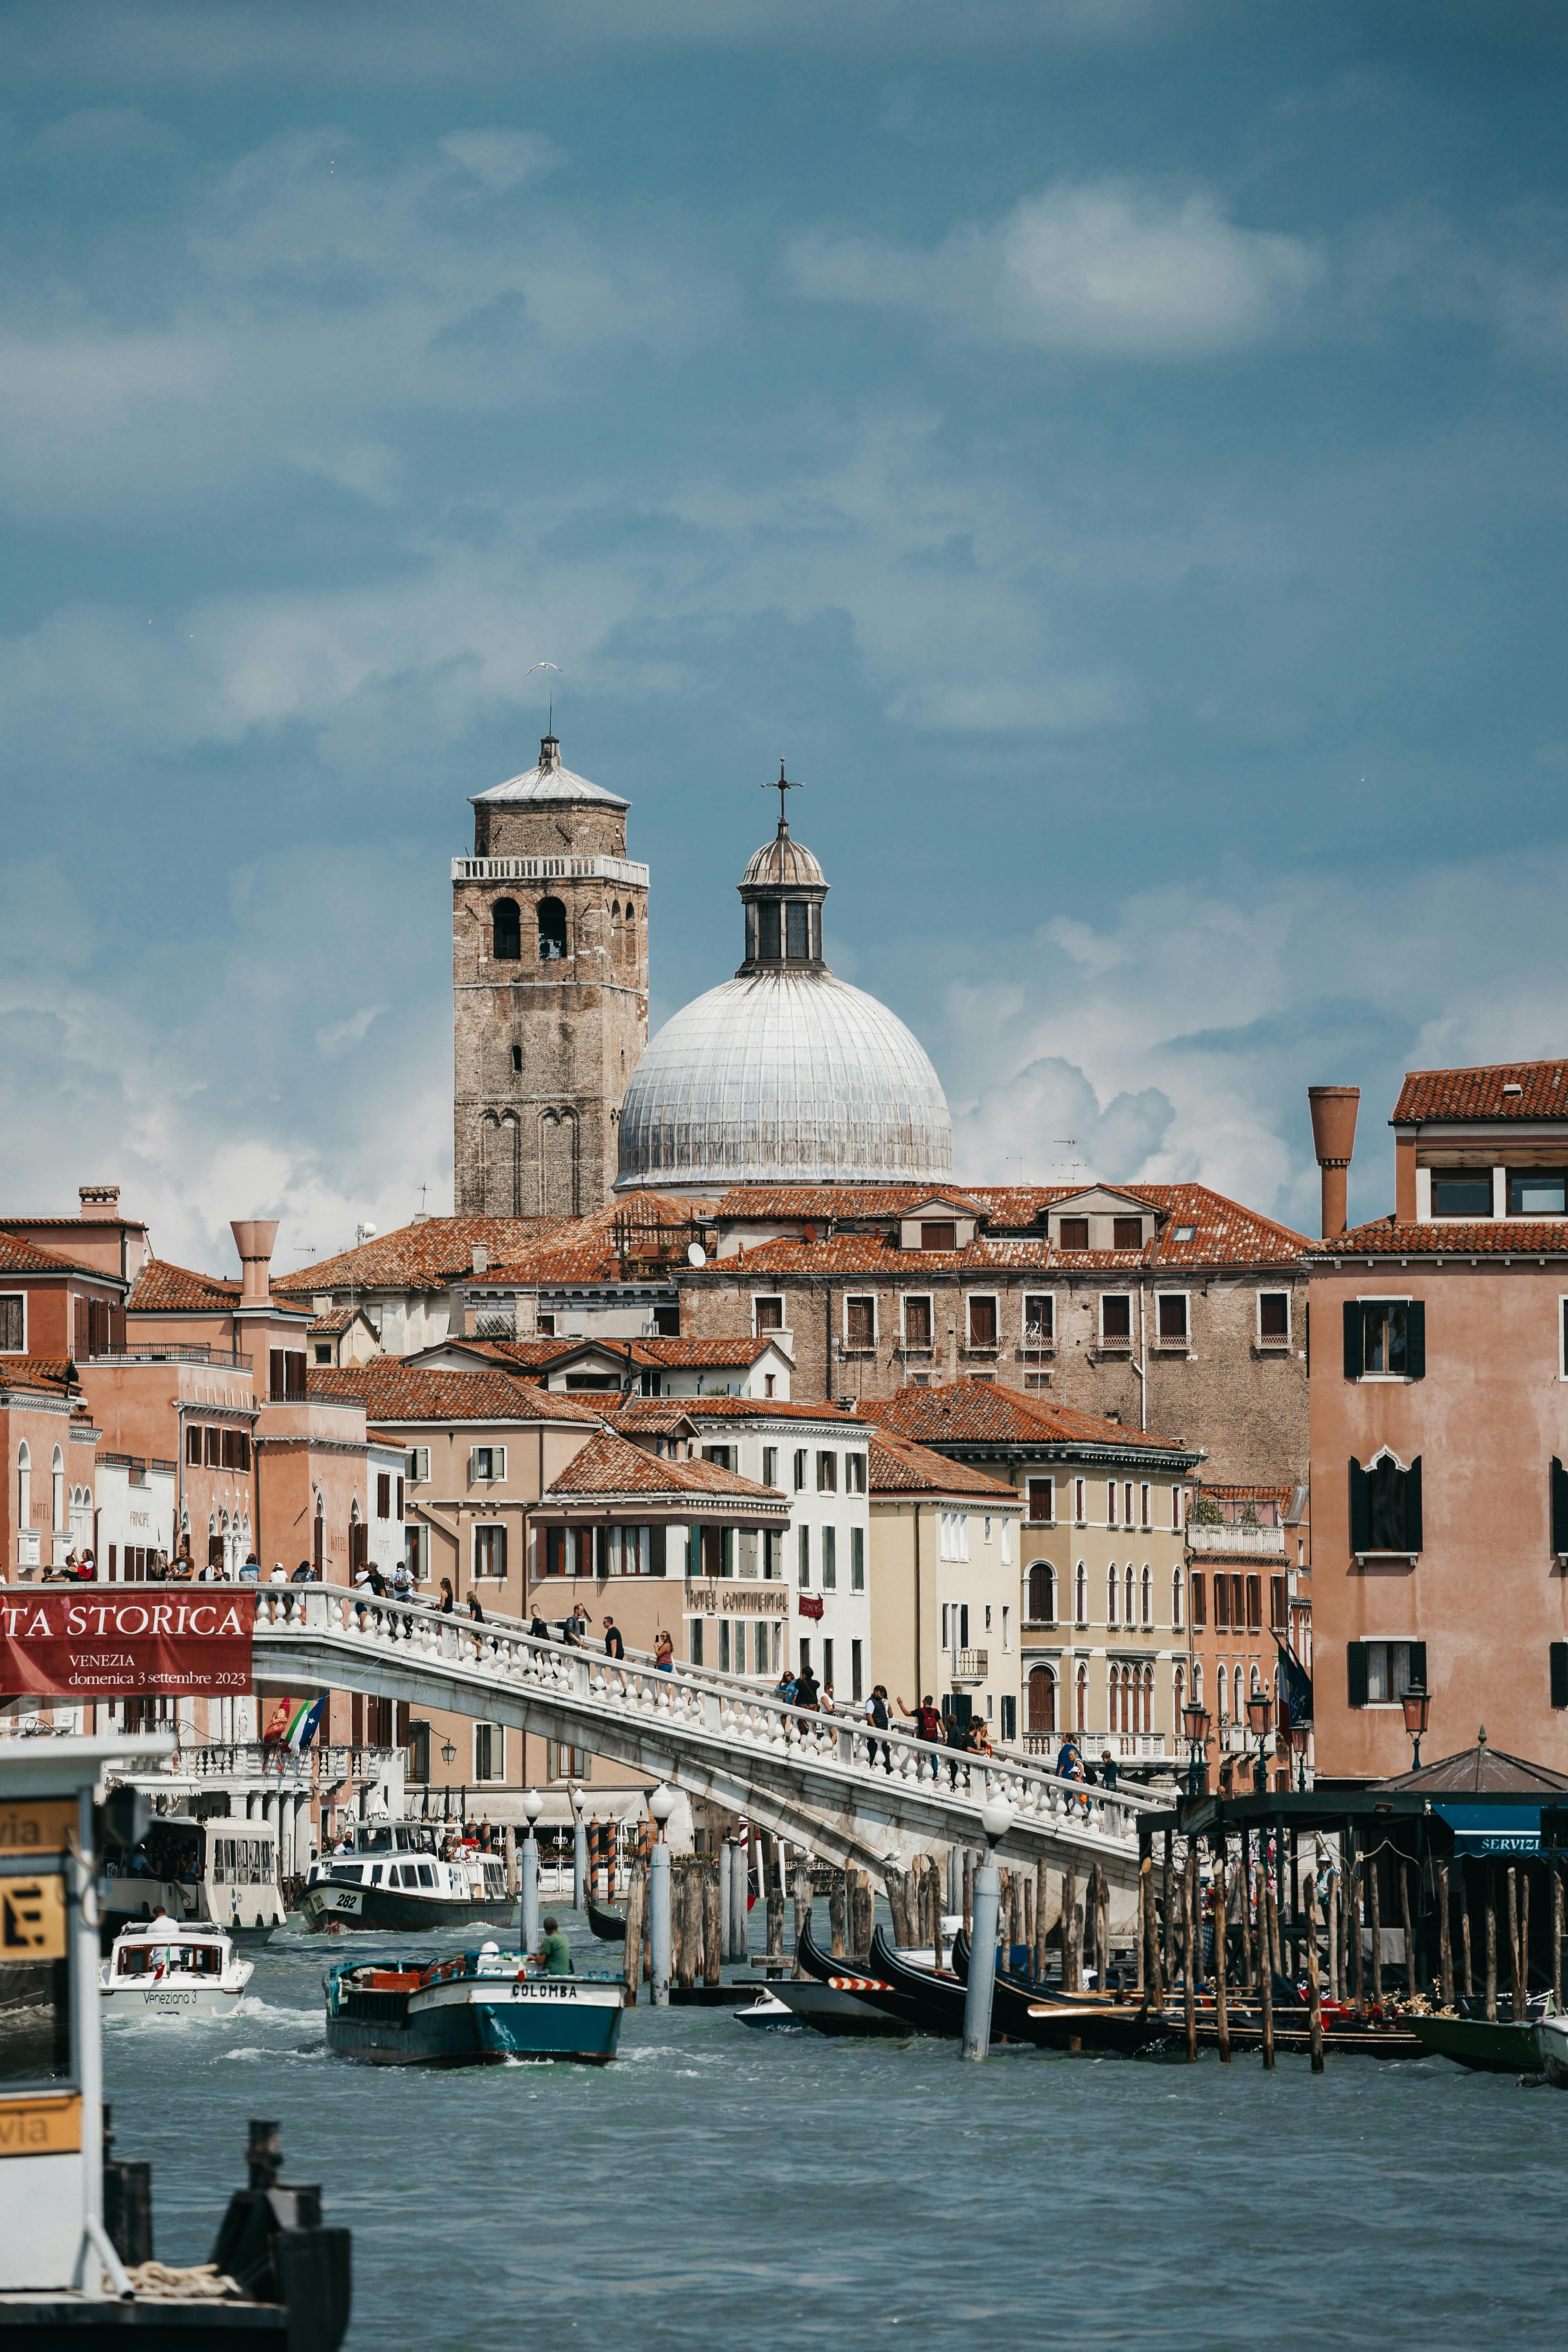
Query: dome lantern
point(782, 890)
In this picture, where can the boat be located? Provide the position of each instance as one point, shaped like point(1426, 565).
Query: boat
point(842, 2005)
point(875, 1987)
point(1486, 2045)
point(221, 1871)
point(1550, 2035)
point(476, 2009)
point(609, 1927)
point(392, 1879)
point(167, 1968)
point(768, 2014)
point(1345, 2035)
point(1052, 2021)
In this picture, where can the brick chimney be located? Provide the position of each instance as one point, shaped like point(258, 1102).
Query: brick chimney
point(1334, 1141)
point(254, 1238)
point(99, 1199)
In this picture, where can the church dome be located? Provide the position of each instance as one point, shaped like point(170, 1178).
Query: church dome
point(783, 1075)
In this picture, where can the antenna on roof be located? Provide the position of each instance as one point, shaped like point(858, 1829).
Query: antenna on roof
point(1072, 1143)
point(550, 728)
point(781, 785)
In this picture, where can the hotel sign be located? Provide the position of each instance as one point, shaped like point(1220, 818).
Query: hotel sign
point(729, 1600)
point(126, 1642)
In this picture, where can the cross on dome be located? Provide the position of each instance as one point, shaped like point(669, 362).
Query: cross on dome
point(781, 785)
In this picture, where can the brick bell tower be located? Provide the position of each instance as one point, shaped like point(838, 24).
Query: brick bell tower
point(549, 993)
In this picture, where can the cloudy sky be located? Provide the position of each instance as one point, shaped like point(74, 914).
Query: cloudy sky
point(1112, 449)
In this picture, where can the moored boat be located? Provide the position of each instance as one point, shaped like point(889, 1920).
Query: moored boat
point(843, 2005)
point(390, 1878)
point(1550, 2036)
point(1486, 2045)
point(476, 2009)
point(609, 1927)
point(166, 1967)
point(1052, 2021)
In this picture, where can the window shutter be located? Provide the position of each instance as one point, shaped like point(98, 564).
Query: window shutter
point(1416, 1338)
point(1355, 1670)
point(1360, 1508)
point(1417, 1665)
point(83, 1343)
point(1559, 1507)
point(1413, 1505)
point(1560, 1674)
point(1353, 1339)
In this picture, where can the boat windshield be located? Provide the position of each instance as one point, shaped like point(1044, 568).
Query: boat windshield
point(158, 1961)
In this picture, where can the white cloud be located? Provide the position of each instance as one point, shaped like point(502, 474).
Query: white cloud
point(1106, 267)
point(503, 158)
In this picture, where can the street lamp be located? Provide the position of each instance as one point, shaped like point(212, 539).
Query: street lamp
point(532, 1806)
point(1196, 1721)
point(661, 1804)
point(448, 1753)
point(1416, 1704)
point(1259, 1712)
point(995, 1819)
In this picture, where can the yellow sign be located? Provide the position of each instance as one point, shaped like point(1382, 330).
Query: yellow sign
point(33, 1917)
point(41, 2127)
point(36, 1824)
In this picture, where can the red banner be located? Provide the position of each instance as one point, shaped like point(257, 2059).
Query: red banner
point(128, 1642)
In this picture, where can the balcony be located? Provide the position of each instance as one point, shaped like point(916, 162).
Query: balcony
point(1172, 1343)
point(970, 1666)
point(221, 1359)
point(1227, 1536)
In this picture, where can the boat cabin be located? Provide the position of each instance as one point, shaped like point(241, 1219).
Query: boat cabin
point(222, 1871)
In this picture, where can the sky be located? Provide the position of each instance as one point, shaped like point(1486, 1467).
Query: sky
point(1111, 450)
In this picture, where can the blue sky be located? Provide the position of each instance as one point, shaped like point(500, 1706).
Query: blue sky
point(1113, 451)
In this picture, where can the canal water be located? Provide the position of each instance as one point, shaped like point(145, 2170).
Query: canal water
point(719, 2186)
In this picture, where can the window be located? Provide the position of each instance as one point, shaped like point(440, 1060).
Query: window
point(721, 1456)
point(1145, 1496)
point(416, 1466)
point(416, 1551)
point(1078, 1501)
point(235, 1450)
point(552, 930)
point(1083, 1698)
point(1537, 1192)
point(804, 1547)
point(486, 1465)
point(1042, 1593)
point(489, 1552)
point(939, 1234)
point(800, 1470)
point(1148, 1597)
point(1115, 1315)
point(506, 931)
point(1040, 1319)
point(830, 1559)
point(1255, 1604)
point(955, 1543)
point(12, 1324)
point(1042, 1502)
point(1384, 1338)
point(1007, 1543)
point(1379, 1674)
point(1175, 1510)
point(1385, 1507)
point(770, 1465)
point(767, 1314)
point(214, 1449)
point(517, 1060)
point(768, 930)
point(1042, 1698)
point(854, 1474)
point(489, 1751)
point(797, 931)
point(1127, 1233)
point(193, 1446)
point(857, 1560)
point(1200, 1608)
point(1080, 1595)
point(400, 1498)
point(982, 1322)
point(323, 1352)
point(1274, 1314)
point(1171, 1315)
point(286, 1374)
point(563, 1763)
point(1126, 1504)
point(724, 1646)
point(1127, 1585)
point(1111, 1502)
point(1074, 1233)
point(827, 1473)
point(694, 1644)
point(384, 1495)
point(860, 1322)
point(1110, 1590)
point(1176, 1599)
point(1461, 1191)
point(1278, 1605)
point(916, 1322)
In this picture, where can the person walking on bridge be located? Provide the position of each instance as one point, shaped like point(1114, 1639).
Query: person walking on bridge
point(614, 1645)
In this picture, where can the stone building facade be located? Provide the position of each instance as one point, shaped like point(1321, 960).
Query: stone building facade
point(550, 994)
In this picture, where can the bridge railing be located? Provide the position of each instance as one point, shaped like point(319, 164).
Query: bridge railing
point(642, 1696)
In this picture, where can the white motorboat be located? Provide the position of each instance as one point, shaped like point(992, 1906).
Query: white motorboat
point(1550, 2031)
point(169, 1968)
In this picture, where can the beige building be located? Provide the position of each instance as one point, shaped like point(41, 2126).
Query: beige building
point(1102, 1570)
point(945, 1607)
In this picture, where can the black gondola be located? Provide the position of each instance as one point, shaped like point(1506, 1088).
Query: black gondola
point(609, 1927)
point(1091, 2020)
point(872, 1982)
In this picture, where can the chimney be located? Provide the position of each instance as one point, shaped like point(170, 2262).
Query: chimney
point(481, 1258)
point(254, 1238)
point(1334, 1141)
point(99, 1199)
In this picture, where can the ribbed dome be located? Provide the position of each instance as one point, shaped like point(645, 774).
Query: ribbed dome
point(785, 861)
point(783, 1077)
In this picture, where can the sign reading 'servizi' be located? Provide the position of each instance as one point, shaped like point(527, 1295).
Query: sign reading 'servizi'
point(131, 1643)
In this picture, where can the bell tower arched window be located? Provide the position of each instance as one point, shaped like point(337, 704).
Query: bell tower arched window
point(552, 930)
point(506, 931)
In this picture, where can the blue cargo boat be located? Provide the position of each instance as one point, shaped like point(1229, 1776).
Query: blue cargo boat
point(473, 2010)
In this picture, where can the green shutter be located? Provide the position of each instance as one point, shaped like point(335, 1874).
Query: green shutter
point(1560, 1674)
point(1353, 1341)
point(1355, 1671)
point(1559, 1507)
point(1413, 1505)
point(1360, 1508)
point(1417, 1665)
point(1415, 1339)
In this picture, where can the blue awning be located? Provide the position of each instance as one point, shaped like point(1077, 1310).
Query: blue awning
point(1493, 1829)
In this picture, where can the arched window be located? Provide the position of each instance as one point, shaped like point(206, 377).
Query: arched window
point(57, 1495)
point(614, 914)
point(552, 930)
point(516, 1061)
point(1148, 1698)
point(1179, 1695)
point(1083, 1698)
point(1042, 1703)
point(1176, 1581)
point(1129, 1699)
point(1130, 1595)
point(1222, 1694)
point(1254, 1684)
point(1148, 1597)
point(1110, 1594)
point(1042, 1594)
point(1080, 1596)
point(506, 931)
point(24, 1486)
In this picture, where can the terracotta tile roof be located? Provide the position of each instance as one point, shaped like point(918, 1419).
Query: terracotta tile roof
point(722, 1408)
point(18, 1257)
point(161, 1288)
point(56, 1375)
point(1490, 1237)
point(819, 1202)
point(979, 1413)
point(608, 1464)
point(898, 1467)
point(422, 1257)
point(694, 1355)
point(1280, 1495)
point(77, 1224)
point(338, 1319)
point(393, 1390)
point(1479, 1093)
point(524, 1356)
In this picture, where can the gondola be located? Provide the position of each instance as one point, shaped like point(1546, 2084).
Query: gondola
point(1024, 2012)
point(609, 1927)
point(873, 1983)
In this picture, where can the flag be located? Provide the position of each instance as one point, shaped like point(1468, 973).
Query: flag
point(1295, 1684)
point(278, 1727)
point(304, 1723)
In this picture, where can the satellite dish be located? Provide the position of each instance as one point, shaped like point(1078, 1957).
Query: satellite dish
point(696, 1255)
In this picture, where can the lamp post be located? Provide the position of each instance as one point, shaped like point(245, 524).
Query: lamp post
point(579, 1852)
point(1259, 1715)
point(1416, 1704)
point(1196, 1724)
point(996, 1820)
point(1298, 1736)
point(660, 1804)
point(532, 1806)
